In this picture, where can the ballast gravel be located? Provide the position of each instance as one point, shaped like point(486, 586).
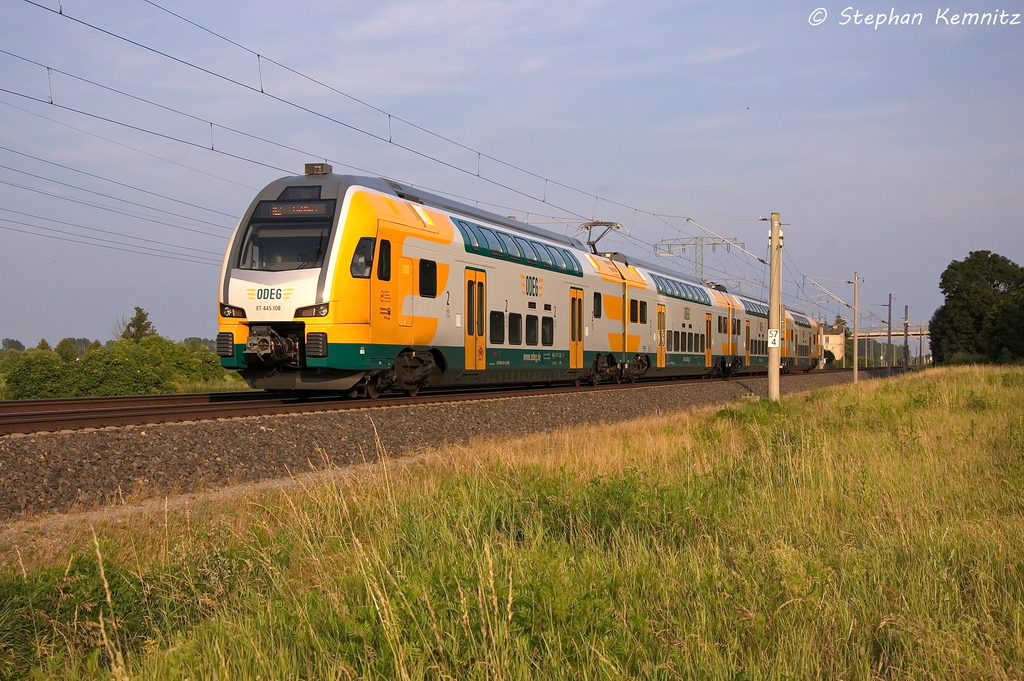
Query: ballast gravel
point(58, 472)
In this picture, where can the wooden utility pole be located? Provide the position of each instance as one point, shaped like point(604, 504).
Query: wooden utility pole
point(775, 330)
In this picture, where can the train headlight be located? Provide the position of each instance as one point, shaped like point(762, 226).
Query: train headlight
point(320, 310)
point(229, 311)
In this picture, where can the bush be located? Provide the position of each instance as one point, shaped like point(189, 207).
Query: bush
point(37, 374)
point(151, 366)
point(122, 369)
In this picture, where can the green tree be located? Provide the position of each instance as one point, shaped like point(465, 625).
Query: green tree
point(66, 350)
point(11, 344)
point(138, 327)
point(971, 287)
point(1002, 333)
point(43, 345)
point(196, 342)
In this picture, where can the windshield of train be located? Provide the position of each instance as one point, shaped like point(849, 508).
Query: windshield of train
point(282, 237)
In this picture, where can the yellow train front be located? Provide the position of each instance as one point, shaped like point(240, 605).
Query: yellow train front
point(340, 283)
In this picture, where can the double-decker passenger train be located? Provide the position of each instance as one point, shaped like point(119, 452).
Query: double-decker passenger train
point(342, 283)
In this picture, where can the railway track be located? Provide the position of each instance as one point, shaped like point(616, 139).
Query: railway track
point(34, 416)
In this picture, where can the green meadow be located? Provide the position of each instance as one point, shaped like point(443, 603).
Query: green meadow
point(859, 532)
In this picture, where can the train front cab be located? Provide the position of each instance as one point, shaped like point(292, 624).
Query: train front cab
point(375, 314)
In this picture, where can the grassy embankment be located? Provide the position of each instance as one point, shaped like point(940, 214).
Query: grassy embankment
point(857, 532)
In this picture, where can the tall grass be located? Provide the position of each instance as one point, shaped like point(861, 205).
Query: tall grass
point(859, 532)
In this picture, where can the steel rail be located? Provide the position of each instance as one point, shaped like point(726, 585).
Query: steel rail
point(54, 415)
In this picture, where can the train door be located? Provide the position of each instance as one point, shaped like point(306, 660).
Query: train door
point(707, 343)
point(661, 336)
point(476, 321)
point(575, 328)
point(746, 344)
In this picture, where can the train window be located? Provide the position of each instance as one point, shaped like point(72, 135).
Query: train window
point(362, 258)
point(702, 346)
point(470, 308)
point(634, 311)
point(470, 234)
point(643, 311)
point(515, 328)
point(531, 329)
point(559, 260)
point(480, 309)
point(286, 245)
point(510, 246)
point(428, 278)
point(528, 253)
point(497, 327)
point(384, 261)
point(597, 305)
point(547, 331)
point(574, 263)
point(545, 257)
point(493, 243)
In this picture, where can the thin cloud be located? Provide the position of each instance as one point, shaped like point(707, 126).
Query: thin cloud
point(720, 54)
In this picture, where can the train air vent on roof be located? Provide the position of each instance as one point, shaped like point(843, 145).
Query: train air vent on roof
point(318, 169)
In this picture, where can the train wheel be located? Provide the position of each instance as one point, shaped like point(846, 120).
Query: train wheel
point(412, 392)
point(372, 388)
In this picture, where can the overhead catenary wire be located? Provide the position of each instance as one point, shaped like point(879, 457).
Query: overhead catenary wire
point(120, 184)
point(262, 91)
point(287, 102)
point(127, 146)
point(109, 209)
point(239, 83)
point(151, 252)
point(103, 231)
point(116, 198)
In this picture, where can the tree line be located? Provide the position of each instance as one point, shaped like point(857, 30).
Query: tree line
point(138, 362)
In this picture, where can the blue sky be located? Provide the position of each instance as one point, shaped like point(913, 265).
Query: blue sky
point(888, 150)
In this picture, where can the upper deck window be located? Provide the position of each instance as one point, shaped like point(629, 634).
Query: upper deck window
point(510, 246)
point(527, 250)
point(492, 242)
